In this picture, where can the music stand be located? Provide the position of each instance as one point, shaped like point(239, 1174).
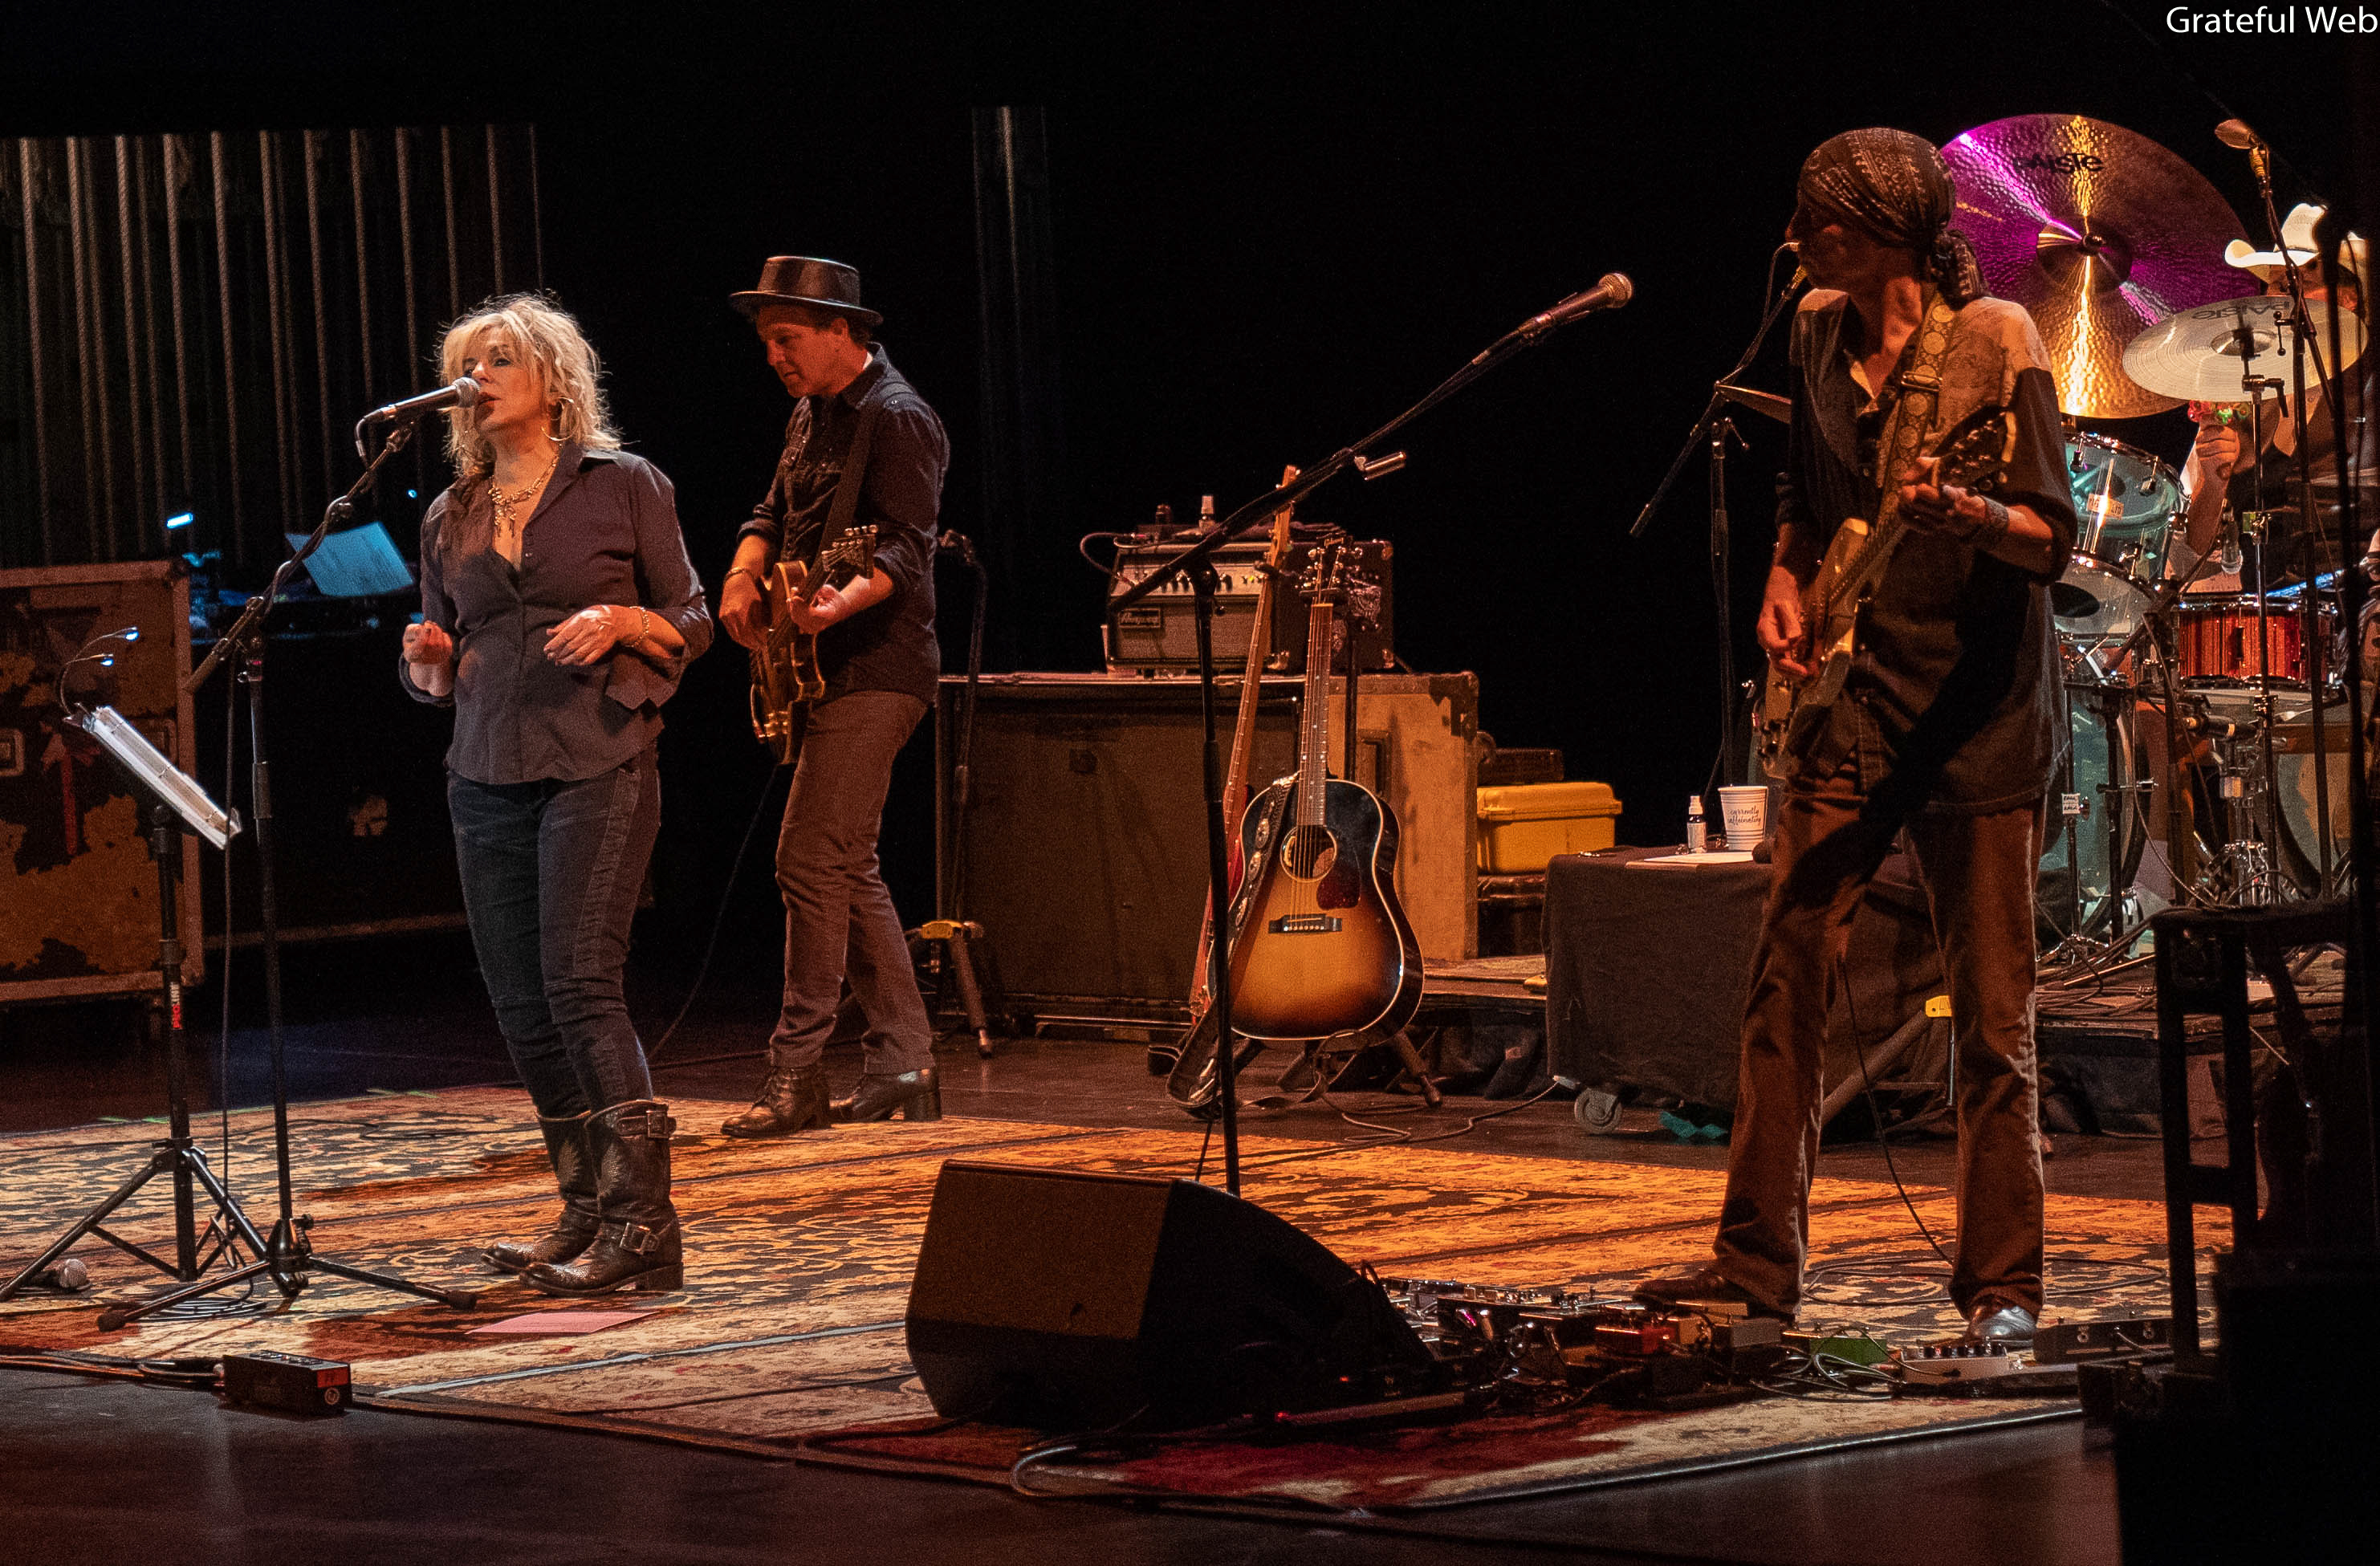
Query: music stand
point(289, 1256)
point(176, 804)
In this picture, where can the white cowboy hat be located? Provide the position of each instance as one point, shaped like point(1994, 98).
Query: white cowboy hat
point(2296, 233)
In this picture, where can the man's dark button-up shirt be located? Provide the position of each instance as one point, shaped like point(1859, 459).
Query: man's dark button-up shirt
point(605, 531)
point(889, 646)
point(1954, 691)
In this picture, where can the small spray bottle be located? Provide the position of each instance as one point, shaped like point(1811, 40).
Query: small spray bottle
point(1694, 833)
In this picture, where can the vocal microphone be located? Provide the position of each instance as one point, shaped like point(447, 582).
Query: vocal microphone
point(463, 391)
point(2235, 133)
point(67, 1275)
point(1612, 292)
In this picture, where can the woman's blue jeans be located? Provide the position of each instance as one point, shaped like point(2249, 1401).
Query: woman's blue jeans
point(551, 873)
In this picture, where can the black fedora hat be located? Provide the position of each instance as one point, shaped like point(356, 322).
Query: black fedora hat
point(806, 280)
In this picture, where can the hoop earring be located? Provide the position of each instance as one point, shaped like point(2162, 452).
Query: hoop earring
point(555, 417)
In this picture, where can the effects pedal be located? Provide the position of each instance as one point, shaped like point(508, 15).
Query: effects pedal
point(290, 1382)
point(2070, 1342)
point(1942, 1365)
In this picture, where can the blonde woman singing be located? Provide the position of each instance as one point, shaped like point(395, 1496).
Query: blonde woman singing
point(558, 611)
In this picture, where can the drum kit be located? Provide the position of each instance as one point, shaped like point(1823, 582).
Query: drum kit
point(2195, 691)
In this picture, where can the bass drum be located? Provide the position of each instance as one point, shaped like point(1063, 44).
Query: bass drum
point(2103, 767)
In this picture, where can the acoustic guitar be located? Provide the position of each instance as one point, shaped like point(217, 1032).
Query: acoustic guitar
point(1794, 712)
point(785, 674)
point(1319, 944)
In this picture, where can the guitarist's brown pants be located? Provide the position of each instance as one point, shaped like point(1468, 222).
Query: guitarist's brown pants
point(1980, 873)
point(840, 922)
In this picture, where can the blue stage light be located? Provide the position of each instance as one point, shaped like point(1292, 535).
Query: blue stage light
point(180, 519)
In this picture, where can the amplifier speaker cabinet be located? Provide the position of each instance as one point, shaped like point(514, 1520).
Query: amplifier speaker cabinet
point(1060, 1301)
point(77, 886)
point(1161, 634)
point(1087, 853)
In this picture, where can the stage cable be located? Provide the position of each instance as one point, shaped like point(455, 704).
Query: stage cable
point(719, 921)
point(1868, 1091)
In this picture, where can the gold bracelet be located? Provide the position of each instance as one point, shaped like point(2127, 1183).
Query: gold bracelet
point(644, 624)
point(739, 571)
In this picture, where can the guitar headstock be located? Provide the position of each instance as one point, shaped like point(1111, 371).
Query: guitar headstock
point(1334, 575)
point(1325, 579)
point(1974, 452)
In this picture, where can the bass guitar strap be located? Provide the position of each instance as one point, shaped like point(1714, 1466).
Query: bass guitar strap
point(845, 505)
point(1918, 386)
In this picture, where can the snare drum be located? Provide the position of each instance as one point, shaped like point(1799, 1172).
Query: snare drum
point(2125, 503)
point(2216, 638)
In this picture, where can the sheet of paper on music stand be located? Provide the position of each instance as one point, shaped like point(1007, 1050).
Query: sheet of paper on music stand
point(360, 563)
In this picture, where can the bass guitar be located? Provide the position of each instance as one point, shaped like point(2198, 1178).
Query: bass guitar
point(1794, 712)
point(785, 674)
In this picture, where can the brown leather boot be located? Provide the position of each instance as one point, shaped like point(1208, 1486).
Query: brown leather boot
point(640, 1246)
point(790, 1099)
point(917, 1094)
point(574, 1230)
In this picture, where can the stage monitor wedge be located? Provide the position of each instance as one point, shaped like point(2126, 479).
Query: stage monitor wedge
point(1065, 1301)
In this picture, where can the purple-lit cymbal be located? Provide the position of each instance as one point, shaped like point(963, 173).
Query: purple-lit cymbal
point(2097, 232)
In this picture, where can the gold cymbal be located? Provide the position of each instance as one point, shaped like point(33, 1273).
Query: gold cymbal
point(2097, 232)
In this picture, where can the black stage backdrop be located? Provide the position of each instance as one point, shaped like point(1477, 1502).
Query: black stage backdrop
point(1272, 229)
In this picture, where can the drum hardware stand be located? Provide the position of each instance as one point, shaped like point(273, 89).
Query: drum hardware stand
point(1197, 562)
point(289, 1255)
point(178, 1156)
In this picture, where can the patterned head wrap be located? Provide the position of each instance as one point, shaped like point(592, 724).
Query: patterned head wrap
point(1892, 187)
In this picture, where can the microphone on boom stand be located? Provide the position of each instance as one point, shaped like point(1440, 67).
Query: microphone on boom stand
point(462, 392)
point(1612, 291)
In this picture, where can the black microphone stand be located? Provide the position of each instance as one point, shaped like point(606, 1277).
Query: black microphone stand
point(288, 1254)
point(1197, 562)
point(2361, 1204)
point(1713, 427)
point(950, 928)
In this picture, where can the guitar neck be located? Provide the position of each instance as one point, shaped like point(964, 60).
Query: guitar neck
point(1865, 562)
point(1314, 715)
point(1244, 726)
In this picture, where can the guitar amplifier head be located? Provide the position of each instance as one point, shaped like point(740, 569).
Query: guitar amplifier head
point(1160, 634)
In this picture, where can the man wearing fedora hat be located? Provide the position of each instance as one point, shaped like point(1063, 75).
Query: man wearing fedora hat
point(863, 450)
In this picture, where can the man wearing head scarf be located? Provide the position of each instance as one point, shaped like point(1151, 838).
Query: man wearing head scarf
point(1948, 724)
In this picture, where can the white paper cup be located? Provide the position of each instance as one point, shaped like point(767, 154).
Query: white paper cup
point(1744, 814)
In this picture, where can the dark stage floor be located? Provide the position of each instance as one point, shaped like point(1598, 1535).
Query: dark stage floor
point(105, 1470)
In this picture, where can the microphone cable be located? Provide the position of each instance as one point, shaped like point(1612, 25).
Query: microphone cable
point(719, 919)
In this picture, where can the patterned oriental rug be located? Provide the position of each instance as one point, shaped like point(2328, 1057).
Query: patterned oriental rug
point(787, 1339)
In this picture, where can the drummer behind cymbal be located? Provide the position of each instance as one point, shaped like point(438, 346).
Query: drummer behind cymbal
point(2219, 454)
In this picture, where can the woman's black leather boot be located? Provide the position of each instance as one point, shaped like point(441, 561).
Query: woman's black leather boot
point(638, 1246)
point(574, 1172)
